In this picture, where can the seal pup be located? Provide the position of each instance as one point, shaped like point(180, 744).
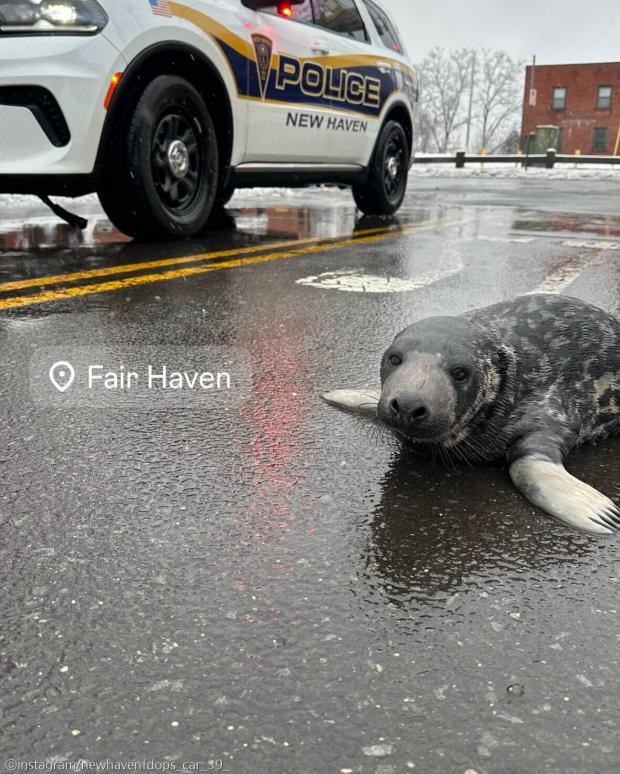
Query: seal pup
point(529, 380)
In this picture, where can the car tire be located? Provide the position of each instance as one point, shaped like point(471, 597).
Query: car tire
point(163, 180)
point(386, 184)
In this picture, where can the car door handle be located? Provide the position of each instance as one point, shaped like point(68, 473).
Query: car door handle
point(320, 47)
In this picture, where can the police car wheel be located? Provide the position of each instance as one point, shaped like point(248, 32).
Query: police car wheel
point(384, 190)
point(166, 179)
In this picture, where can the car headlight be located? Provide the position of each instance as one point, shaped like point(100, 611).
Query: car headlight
point(51, 16)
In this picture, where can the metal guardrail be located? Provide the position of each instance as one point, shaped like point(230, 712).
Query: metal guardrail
point(547, 160)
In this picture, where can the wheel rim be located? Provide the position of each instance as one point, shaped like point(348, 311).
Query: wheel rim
point(177, 160)
point(395, 167)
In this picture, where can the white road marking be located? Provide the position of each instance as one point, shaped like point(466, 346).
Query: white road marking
point(563, 276)
point(352, 281)
point(598, 245)
point(508, 240)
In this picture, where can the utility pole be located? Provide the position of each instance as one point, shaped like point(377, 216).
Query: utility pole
point(532, 100)
point(471, 99)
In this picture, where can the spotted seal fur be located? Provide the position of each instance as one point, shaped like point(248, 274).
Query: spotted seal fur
point(529, 380)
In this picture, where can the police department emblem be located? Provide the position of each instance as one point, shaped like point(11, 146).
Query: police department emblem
point(263, 47)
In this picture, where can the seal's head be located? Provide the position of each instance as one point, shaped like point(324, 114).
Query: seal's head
point(436, 376)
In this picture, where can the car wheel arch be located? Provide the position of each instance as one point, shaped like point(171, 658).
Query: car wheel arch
point(170, 58)
point(400, 113)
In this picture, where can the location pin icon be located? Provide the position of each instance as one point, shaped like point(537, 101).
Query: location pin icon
point(62, 375)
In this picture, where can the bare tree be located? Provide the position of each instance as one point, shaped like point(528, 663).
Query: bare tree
point(498, 97)
point(444, 77)
point(424, 131)
point(510, 144)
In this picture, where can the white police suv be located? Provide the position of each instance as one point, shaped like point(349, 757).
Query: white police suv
point(165, 107)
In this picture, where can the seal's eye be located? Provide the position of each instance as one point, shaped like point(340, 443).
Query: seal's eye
point(460, 375)
point(395, 360)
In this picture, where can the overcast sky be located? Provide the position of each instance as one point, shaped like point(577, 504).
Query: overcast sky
point(557, 31)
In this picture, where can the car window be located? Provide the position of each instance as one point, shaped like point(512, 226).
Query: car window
point(385, 28)
point(341, 17)
point(301, 13)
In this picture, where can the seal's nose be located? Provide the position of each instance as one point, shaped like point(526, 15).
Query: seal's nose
point(408, 409)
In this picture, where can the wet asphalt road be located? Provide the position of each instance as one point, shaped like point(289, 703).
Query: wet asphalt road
point(276, 585)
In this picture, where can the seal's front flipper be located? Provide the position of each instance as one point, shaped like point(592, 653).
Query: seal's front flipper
point(360, 401)
point(551, 487)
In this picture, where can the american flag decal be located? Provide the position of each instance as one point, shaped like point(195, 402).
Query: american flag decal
point(160, 7)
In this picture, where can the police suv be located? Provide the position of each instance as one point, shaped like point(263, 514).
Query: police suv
point(165, 107)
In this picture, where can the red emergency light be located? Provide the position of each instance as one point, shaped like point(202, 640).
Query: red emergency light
point(286, 9)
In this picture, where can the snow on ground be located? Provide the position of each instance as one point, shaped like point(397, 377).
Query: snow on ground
point(14, 206)
point(20, 208)
point(514, 171)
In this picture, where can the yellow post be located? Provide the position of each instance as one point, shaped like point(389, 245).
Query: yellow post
point(577, 153)
point(617, 143)
point(483, 152)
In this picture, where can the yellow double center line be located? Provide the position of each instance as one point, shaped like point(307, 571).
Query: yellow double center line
point(208, 262)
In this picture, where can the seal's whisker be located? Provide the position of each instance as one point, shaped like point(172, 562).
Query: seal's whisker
point(462, 456)
point(474, 448)
point(377, 434)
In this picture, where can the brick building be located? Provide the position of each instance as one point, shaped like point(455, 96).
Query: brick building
point(582, 100)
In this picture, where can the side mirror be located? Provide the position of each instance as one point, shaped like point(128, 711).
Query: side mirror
point(257, 5)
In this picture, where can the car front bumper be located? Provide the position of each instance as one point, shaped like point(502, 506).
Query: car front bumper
point(76, 72)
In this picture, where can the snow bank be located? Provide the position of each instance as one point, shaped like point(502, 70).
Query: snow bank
point(16, 208)
point(20, 202)
point(19, 207)
point(559, 172)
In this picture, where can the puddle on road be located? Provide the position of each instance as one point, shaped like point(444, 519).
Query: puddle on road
point(274, 222)
point(41, 248)
point(604, 226)
point(47, 233)
point(437, 534)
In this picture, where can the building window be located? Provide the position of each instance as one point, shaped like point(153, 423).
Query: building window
point(340, 16)
point(604, 98)
point(560, 145)
point(599, 141)
point(385, 28)
point(559, 98)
